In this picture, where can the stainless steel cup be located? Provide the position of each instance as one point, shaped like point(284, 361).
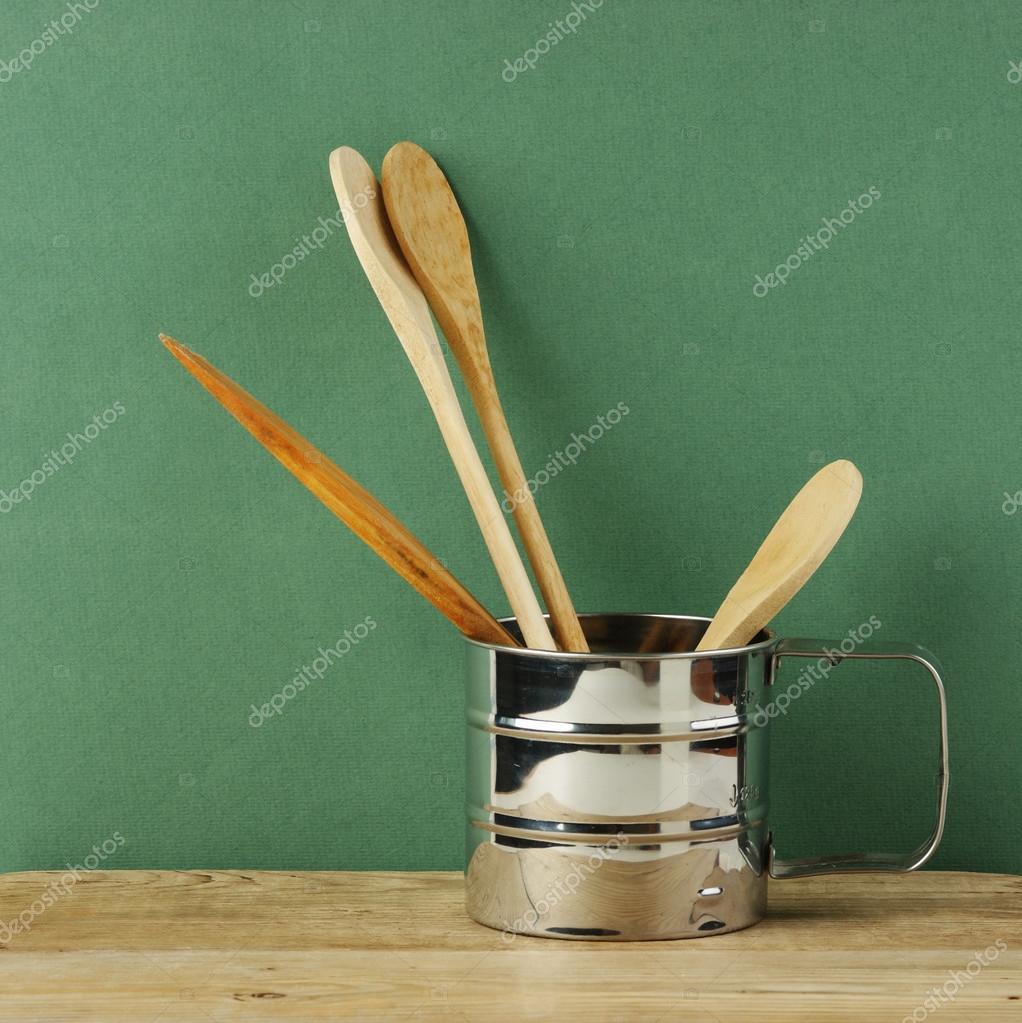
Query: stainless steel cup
point(623, 794)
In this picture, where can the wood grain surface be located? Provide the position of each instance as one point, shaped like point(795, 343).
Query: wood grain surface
point(249, 945)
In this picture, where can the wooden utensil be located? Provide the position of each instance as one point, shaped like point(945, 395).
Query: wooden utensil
point(369, 520)
point(802, 537)
point(431, 232)
point(358, 194)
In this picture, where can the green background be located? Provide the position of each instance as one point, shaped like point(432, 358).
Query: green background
point(622, 196)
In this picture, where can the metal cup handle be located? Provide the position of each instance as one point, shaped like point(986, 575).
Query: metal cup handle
point(861, 862)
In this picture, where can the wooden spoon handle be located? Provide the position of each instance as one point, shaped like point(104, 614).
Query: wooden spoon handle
point(431, 232)
point(530, 525)
point(402, 300)
point(436, 382)
point(369, 520)
point(801, 539)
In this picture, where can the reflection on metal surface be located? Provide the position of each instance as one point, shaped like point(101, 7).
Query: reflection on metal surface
point(601, 789)
point(622, 796)
point(569, 892)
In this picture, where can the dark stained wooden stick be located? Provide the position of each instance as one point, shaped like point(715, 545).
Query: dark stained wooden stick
point(369, 520)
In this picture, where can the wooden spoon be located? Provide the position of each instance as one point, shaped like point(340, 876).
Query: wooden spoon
point(431, 231)
point(797, 545)
point(402, 300)
point(355, 507)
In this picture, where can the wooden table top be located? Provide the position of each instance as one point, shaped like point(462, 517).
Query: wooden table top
point(163, 946)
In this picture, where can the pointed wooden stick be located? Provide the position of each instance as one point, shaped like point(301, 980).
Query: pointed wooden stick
point(369, 520)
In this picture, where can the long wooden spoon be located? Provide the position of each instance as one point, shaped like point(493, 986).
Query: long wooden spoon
point(431, 231)
point(369, 520)
point(797, 545)
point(402, 300)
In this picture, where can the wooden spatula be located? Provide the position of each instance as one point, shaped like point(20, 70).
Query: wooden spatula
point(369, 520)
point(431, 231)
point(801, 538)
point(358, 194)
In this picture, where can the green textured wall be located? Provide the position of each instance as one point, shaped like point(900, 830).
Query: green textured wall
point(623, 195)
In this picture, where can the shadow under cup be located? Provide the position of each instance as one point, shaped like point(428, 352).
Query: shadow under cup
point(623, 794)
